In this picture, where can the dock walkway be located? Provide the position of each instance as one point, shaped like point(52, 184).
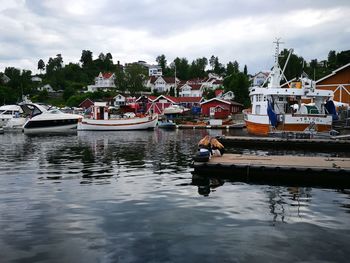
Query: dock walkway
point(285, 169)
point(284, 143)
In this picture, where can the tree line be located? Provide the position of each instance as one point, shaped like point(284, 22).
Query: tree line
point(71, 78)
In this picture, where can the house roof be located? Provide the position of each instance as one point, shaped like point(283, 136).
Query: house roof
point(333, 72)
point(153, 79)
point(218, 82)
point(222, 101)
point(218, 92)
point(107, 75)
point(86, 100)
point(169, 79)
point(150, 98)
point(192, 86)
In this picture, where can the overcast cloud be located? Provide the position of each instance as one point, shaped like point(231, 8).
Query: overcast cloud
point(133, 30)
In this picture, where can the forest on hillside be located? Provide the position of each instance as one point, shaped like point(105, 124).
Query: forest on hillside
point(72, 78)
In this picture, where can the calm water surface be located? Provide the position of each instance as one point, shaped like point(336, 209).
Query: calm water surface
point(129, 197)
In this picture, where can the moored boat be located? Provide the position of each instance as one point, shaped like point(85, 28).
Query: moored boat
point(293, 107)
point(101, 120)
point(42, 120)
point(8, 112)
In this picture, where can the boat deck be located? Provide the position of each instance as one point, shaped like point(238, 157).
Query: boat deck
point(275, 169)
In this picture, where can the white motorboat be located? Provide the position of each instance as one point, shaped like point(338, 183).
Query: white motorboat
point(39, 119)
point(102, 121)
point(8, 112)
point(295, 107)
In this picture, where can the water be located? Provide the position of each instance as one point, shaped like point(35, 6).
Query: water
point(129, 197)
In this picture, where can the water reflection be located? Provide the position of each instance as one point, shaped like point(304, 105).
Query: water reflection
point(130, 196)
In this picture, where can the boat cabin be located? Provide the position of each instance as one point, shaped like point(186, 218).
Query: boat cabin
point(100, 111)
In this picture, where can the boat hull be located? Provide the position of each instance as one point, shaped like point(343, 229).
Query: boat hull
point(44, 127)
point(260, 124)
point(143, 123)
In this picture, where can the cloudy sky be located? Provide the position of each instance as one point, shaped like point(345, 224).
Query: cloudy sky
point(133, 30)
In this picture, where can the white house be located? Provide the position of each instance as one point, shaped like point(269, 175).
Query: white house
point(259, 78)
point(104, 81)
point(46, 87)
point(212, 82)
point(228, 95)
point(119, 100)
point(36, 79)
point(162, 84)
point(191, 90)
point(155, 70)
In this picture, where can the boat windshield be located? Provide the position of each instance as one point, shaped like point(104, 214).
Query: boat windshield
point(55, 111)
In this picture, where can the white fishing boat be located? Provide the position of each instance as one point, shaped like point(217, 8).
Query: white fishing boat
point(102, 120)
point(42, 120)
point(293, 107)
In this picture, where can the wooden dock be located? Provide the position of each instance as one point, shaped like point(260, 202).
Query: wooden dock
point(287, 169)
point(323, 145)
point(223, 127)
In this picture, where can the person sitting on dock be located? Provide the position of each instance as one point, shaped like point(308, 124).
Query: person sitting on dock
point(204, 147)
point(217, 148)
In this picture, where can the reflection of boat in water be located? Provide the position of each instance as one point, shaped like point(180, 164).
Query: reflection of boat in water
point(101, 121)
point(166, 124)
point(276, 108)
point(42, 120)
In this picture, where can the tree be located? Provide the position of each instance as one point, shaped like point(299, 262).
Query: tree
point(197, 69)
point(54, 64)
point(245, 70)
point(41, 65)
point(212, 62)
point(182, 68)
point(135, 77)
point(172, 91)
point(230, 69)
point(236, 66)
point(161, 60)
point(218, 68)
point(239, 84)
point(86, 58)
point(294, 67)
point(332, 59)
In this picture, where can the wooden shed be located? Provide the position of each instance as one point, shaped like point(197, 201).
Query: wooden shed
point(339, 82)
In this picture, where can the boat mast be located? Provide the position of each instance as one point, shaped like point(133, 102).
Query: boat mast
point(275, 75)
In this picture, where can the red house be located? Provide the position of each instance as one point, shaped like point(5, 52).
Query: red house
point(220, 108)
point(87, 103)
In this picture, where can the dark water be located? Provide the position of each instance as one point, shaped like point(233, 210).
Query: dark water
point(129, 197)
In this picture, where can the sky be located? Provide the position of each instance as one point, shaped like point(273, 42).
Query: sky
point(133, 30)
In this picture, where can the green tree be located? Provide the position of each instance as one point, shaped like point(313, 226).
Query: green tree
point(86, 58)
point(212, 61)
point(182, 68)
point(41, 65)
point(162, 62)
point(135, 77)
point(197, 68)
point(239, 84)
point(332, 59)
point(245, 70)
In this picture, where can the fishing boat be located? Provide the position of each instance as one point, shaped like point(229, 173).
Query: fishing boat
point(102, 120)
point(292, 107)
